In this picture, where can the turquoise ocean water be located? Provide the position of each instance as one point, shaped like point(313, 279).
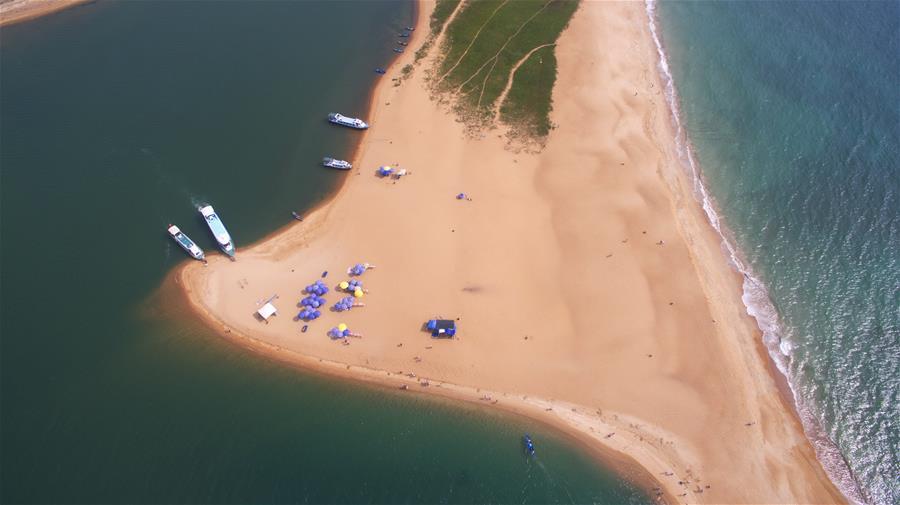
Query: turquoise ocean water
point(792, 114)
point(117, 118)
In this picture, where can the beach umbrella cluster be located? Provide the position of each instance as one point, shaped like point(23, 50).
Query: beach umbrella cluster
point(308, 314)
point(351, 286)
point(346, 303)
point(317, 288)
point(385, 170)
point(313, 302)
point(359, 268)
point(339, 331)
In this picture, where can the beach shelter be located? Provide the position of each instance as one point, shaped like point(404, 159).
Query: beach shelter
point(266, 311)
point(441, 328)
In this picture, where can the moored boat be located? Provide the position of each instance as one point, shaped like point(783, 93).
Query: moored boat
point(380, 70)
point(529, 445)
point(186, 243)
point(338, 164)
point(398, 49)
point(350, 122)
point(402, 43)
point(218, 230)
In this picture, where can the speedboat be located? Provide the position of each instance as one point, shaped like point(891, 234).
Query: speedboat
point(380, 70)
point(338, 164)
point(398, 49)
point(186, 243)
point(402, 43)
point(410, 29)
point(218, 230)
point(403, 35)
point(350, 122)
point(528, 444)
point(296, 215)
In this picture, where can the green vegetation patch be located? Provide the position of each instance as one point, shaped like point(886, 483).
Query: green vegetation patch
point(486, 41)
point(442, 11)
point(527, 106)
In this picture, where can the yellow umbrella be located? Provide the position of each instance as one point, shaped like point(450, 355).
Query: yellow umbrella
point(344, 284)
point(358, 293)
point(342, 326)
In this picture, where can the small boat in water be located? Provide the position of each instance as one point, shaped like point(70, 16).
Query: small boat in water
point(380, 70)
point(403, 35)
point(528, 444)
point(398, 49)
point(410, 29)
point(402, 43)
point(296, 215)
point(186, 243)
point(350, 122)
point(338, 164)
point(218, 230)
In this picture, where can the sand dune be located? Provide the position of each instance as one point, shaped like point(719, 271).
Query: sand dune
point(591, 292)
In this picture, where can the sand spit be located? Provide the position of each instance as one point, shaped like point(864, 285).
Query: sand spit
point(590, 290)
point(16, 11)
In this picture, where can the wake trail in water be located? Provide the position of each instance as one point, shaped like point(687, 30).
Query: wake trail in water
point(755, 296)
point(164, 178)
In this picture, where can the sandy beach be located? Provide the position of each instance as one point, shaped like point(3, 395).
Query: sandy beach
point(15, 11)
point(590, 291)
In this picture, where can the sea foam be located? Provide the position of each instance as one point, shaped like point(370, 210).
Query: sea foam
point(755, 296)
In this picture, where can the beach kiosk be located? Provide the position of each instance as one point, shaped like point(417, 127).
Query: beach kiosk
point(441, 328)
point(266, 311)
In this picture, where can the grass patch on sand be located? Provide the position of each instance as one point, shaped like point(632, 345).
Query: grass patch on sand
point(485, 43)
point(528, 104)
point(442, 10)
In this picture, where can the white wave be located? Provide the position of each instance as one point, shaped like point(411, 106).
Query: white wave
point(755, 296)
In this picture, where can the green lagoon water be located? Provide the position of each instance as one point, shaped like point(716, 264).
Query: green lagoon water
point(117, 118)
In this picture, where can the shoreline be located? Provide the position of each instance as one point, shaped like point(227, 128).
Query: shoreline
point(619, 463)
point(754, 294)
point(319, 215)
point(19, 11)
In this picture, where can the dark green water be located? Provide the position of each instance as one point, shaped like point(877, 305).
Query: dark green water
point(117, 118)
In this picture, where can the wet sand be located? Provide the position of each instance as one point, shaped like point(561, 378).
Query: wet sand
point(16, 11)
point(590, 291)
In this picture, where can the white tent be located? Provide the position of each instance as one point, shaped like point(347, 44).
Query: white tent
point(267, 311)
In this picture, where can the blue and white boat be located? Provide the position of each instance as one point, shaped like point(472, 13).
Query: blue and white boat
point(350, 122)
point(398, 49)
point(338, 164)
point(186, 243)
point(529, 445)
point(218, 230)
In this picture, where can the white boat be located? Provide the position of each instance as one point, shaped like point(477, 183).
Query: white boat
point(218, 230)
point(186, 243)
point(351, 122)
point(338, 164)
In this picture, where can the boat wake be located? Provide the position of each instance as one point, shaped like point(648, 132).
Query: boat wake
point(755, 296)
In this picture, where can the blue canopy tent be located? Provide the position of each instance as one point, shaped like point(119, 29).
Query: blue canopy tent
point(441, 328)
